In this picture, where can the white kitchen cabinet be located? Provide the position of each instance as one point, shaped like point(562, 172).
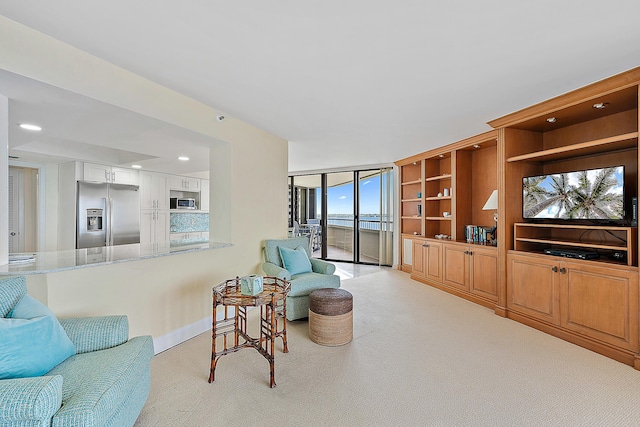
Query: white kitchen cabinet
point(204, 195)
point(154, 190)
point(154, 226)
point(186, 236)
point(103, 173)
point(184, 183)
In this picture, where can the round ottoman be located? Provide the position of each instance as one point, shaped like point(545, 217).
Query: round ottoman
point(330, 316)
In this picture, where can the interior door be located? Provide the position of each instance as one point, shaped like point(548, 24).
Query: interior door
point(16, 226)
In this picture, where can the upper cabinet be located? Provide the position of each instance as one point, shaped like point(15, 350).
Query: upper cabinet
point(154, 190)
point(184, 183)
point(103, 173)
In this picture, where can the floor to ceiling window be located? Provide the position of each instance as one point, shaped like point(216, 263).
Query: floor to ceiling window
point(340, 216)
point(358, 225)
point(305, 210)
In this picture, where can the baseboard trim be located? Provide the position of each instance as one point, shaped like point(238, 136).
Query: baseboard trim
point(173, 338)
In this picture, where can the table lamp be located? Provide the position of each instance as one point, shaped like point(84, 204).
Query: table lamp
point(492, 205)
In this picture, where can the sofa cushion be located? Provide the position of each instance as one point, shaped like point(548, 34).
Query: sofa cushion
point(295, 260)
point(97, 384)
point(33, 342)
point(11, 290)
point(305, 283)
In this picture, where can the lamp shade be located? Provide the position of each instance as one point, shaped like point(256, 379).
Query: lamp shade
point(492, 202)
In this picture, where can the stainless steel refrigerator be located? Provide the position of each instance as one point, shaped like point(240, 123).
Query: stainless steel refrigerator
point(108, 214)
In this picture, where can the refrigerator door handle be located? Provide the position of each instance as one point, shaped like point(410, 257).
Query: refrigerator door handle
point(107, 222)
point(109, 215)
point(111, 222)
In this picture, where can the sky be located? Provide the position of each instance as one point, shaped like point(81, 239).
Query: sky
point(340, 198)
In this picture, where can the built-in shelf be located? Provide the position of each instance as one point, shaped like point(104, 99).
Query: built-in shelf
point(618, 142)
point(439, 218)
point(607, 239)
point(410, 200)
point(412, 182)
point(439, 177)
point(438, 198)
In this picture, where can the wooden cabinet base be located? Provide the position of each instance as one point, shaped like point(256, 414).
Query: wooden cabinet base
point(462, 294)
point(626, 357)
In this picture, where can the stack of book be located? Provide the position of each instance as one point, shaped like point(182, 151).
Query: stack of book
point(476, 234)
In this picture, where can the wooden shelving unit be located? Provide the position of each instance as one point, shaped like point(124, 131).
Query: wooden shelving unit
point(614, 143)
point(592, 303)
point(605, 240)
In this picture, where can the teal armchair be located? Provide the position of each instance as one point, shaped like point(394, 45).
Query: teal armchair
point(302, 284)
point(105, 383)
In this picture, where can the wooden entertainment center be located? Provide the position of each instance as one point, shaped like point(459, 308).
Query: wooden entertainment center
point(593, 303)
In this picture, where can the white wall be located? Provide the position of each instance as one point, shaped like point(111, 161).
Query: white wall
point(4, 179)
point(248, 195)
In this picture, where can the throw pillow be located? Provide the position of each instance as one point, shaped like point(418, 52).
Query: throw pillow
point(295, 260)
point(33, 341)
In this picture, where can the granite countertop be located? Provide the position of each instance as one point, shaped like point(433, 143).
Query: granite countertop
point(50, 262)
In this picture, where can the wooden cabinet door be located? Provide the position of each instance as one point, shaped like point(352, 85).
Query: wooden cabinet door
point(600, 302)
point(433, 261)
point(483, 273)
point(533, 287)
point(418, 258)
point(455, 270)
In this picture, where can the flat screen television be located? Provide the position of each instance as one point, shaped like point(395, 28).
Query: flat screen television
point(592, 194)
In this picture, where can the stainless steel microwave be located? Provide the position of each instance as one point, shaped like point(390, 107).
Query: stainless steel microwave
point(181, 203)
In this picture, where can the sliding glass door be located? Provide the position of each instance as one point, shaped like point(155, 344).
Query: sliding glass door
point(375, 222)
point(346, 215)
point(340, 216)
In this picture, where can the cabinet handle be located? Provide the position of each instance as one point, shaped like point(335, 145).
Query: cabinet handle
point(554, 269)
point(563, 270)
point(425, 246)
point(471, 253)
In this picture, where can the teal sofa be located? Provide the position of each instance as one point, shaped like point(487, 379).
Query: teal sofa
point(302, 284)
point(105, 383)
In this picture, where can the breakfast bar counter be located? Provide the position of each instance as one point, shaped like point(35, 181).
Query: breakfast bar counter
point(50, 262)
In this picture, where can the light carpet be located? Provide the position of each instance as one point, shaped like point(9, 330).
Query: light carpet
point(419, 357)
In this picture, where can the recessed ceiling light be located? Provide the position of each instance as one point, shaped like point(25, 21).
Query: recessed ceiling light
point(476, 146)
point(441, 156)
point(29, 126)
point(183, 158)
point(551, 119)
point(136, 166)
point(600, 105)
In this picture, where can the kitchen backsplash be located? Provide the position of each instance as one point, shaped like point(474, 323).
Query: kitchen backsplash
point(188, 222)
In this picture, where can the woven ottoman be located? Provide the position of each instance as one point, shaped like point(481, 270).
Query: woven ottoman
point(330, 316)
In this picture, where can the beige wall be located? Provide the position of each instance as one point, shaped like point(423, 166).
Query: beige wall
point(248, 195)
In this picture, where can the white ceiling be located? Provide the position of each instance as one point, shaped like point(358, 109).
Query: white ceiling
point(354, 82)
